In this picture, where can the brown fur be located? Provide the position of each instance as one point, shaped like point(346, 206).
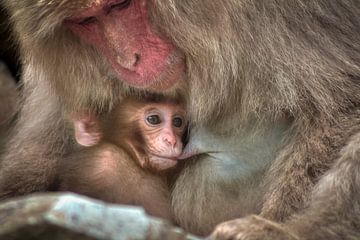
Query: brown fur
point(245, 60)
point(108, 173)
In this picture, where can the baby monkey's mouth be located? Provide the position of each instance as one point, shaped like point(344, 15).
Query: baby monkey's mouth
point(192, 152)
point(189, 151)
point(172, 158)
point(161, 162)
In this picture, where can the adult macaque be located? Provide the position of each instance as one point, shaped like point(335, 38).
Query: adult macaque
point(127, 153)
point(288, 70)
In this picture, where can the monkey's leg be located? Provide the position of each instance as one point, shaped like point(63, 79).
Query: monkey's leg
point(334, 212)
point(299, 166)
point(38, 140)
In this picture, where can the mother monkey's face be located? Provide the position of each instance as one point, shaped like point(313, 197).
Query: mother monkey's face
point(120, 30)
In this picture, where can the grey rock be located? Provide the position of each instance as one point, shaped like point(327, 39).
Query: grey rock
point(70, 216)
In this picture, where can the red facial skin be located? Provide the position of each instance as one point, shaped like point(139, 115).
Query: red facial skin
point(120, 30)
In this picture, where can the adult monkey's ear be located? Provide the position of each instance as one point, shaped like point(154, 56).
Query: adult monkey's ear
point(87, 128)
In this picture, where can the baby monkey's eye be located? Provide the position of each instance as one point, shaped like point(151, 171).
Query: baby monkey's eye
point(153, 119)
point(177, 122)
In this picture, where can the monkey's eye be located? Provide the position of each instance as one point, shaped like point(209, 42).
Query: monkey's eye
point(177, 122)
point(87, 21)
point(153, 119)
point(121, 5)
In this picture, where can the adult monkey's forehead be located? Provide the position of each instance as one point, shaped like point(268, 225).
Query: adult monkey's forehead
point(68, 4)
point(49, 14)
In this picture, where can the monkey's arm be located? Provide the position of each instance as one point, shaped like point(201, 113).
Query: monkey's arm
point(94, 171)
point(108, 173)
point(295, 175)
point(103, 171)
point(333, 212)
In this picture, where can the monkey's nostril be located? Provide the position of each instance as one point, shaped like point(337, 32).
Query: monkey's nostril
point(170, 142)
point(137, 59)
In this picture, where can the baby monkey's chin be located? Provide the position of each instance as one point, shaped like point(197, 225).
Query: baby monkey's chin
point(162, 163)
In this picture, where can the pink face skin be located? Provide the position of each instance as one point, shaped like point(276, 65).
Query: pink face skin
point(163, 127)
point(120, 30)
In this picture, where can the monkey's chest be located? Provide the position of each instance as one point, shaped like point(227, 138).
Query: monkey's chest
point(240, 155)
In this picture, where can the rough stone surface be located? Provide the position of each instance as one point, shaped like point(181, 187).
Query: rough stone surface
point(73, 217)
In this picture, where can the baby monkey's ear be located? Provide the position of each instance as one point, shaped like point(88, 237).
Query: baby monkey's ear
point(87, 128)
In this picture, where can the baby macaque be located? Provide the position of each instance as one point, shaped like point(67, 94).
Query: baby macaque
point(125, 154)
